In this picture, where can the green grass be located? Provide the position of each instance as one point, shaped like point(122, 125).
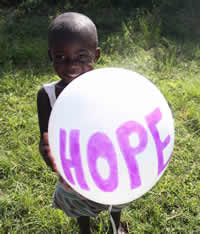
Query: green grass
point(27, 185)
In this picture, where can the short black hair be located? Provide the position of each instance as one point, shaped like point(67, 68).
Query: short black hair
point(70, 25)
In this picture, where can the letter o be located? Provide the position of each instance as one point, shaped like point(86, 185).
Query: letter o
point(100, 146)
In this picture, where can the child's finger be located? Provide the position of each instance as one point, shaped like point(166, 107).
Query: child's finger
point(45, 138)
point(53, 163)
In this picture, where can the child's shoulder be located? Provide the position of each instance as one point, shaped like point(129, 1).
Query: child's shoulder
point(46, 93)
point(42, 95)
point(43, 91)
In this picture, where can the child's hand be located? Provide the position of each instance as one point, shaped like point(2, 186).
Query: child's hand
point(47, 153)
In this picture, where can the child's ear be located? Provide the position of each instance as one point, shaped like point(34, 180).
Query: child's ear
point(97, 54)
point(50, 56)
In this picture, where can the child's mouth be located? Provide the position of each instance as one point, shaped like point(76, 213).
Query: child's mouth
point(69, 77)
point(73, 75)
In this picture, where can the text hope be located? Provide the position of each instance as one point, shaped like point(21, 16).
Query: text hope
point(100, 146)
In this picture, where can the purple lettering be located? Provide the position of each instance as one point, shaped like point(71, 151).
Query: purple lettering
point(100, 146)
point(129, 152)
point(152, 119)
point(75, 161)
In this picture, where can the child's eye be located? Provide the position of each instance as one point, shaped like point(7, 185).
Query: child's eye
point(60, 57)
point(84, 58)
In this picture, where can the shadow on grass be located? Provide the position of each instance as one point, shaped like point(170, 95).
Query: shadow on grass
point(23, 40)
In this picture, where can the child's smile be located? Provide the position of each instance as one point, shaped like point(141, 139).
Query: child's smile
point(70, 60)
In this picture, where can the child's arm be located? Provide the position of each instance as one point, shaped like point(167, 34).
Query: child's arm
point(44, 111)
point(48, 152)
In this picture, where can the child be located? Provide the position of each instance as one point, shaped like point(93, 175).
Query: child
point(73, 50)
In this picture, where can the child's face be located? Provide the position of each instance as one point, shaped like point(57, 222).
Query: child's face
point(71, 59)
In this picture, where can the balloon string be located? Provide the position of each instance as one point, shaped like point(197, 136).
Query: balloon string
point(112, 221)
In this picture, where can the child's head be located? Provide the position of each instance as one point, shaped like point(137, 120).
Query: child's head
point(73, 45)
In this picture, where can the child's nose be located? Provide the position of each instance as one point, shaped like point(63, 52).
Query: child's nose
point(70, 60)
point(71, 65)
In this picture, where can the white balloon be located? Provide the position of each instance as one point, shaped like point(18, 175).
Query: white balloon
point(111, 133)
